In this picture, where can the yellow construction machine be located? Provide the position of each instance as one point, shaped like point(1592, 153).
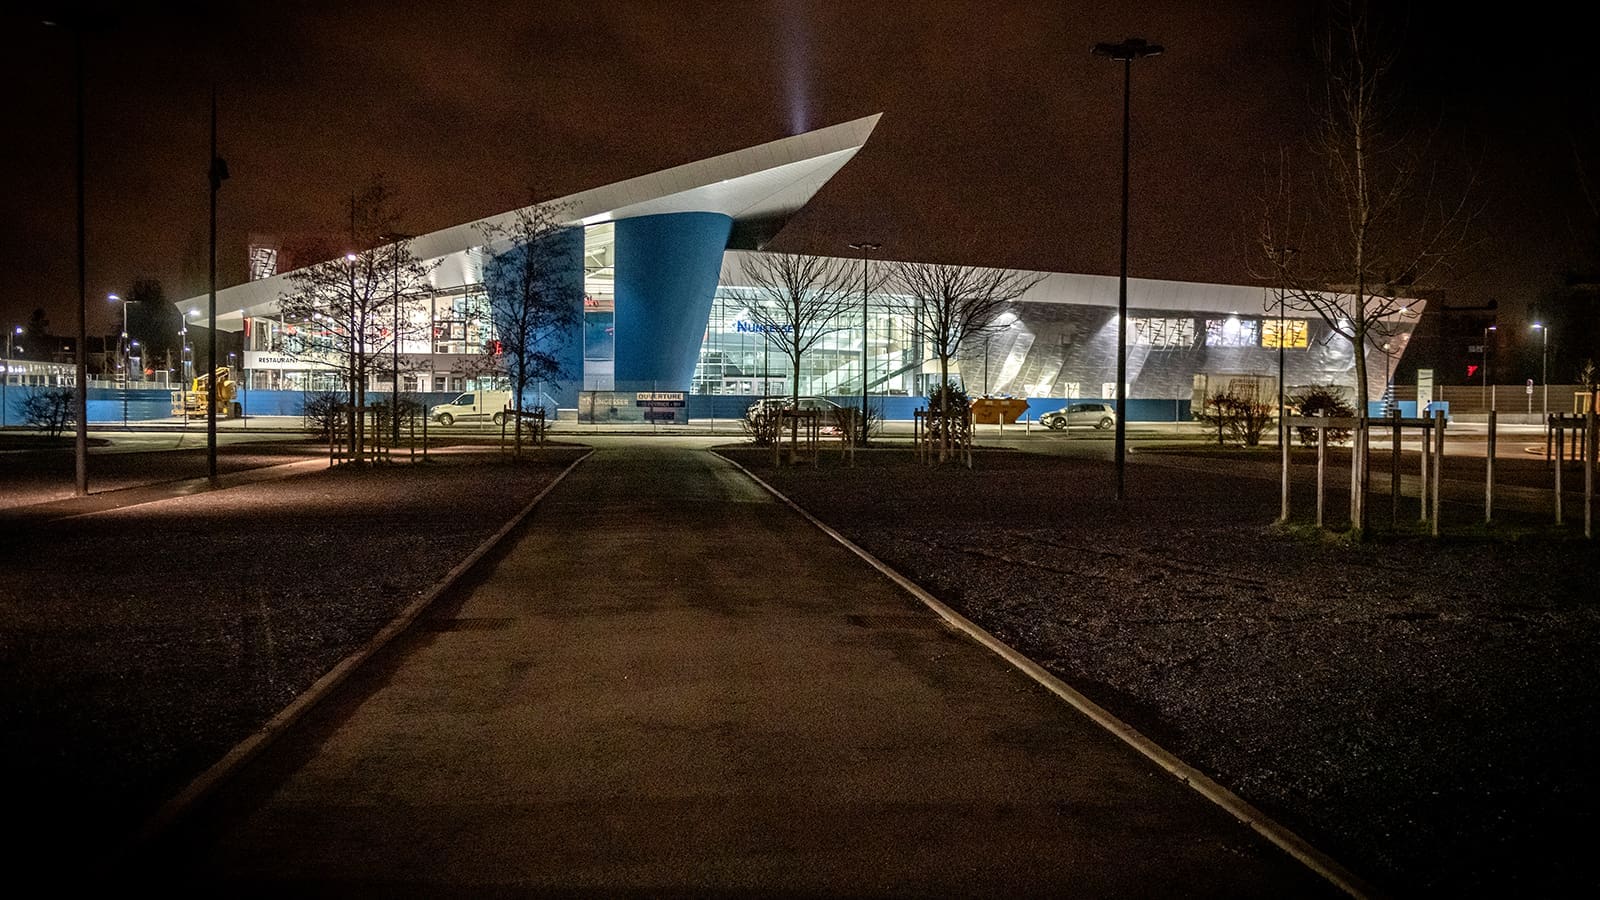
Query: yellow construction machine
point(192, 402)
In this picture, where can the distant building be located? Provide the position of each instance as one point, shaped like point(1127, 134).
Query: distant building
point(666, 309)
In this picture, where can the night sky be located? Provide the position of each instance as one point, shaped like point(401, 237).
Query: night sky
point(999, 142)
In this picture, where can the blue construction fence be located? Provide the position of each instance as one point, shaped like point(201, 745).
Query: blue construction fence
point(1407, 408)
point(733, 406)
point(106, 405)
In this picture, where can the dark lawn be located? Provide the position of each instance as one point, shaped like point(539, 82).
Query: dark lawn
point(1426, 711)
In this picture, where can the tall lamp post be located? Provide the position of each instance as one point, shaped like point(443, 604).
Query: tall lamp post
point(865, 247)
point(1125, 53)
point(1485, 398)
point(76, 24)
point(122, 352)
point(1544, 368)
point(217, 174)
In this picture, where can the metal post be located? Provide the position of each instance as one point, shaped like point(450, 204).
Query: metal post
point(1588, 469)
point(1125, 52)
point(1121, 447)
point(865, 247)
point(1283, 450)
point(1438, 465)
point(217, 173)
point(1544, 368)
point(1322, 455)
point(394, 340)
point(1394, 471)
point(1356, 443)
point(1488, 474)
point(81, 357)
point(1427, 462)
point(1556, 428)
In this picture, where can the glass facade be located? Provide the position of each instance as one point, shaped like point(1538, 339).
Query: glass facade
point(738, 357)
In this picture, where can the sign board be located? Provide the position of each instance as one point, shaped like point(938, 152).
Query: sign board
point(1424, 389)
point(659, 399)
point(268, 359)
point(1530, 387)
point(1474, 348)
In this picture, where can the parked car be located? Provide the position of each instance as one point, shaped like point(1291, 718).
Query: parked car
point(473, 406)
point(823, 405)
point(1098, 415)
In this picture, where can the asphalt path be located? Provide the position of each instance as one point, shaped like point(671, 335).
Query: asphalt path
point(669, 684)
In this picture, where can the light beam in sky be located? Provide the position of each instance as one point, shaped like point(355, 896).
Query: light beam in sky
point(794, 41)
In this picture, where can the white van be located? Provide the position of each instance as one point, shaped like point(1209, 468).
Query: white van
point(473, 406)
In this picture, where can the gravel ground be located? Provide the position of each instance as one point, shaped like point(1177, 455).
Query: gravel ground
point(137, 646)
point(1425, 711)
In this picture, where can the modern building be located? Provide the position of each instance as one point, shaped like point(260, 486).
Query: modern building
point(666, 309)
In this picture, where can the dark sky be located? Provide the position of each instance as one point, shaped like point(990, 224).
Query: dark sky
point(999, 141)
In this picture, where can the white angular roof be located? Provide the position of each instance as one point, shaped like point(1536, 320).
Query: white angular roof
point(764, 182)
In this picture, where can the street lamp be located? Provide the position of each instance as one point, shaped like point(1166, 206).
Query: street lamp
point(1485, 398)
point(1544, 367)
point(122, 350)
point(865, 247)
point(1125, 53)
point(77, 24)
point(216, 174)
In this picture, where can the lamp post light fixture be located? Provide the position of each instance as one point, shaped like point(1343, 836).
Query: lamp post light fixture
point(865, 247)
point(1125, 52)
point(1544, 368)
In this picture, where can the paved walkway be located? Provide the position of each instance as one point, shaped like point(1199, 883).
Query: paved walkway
point(670, 684)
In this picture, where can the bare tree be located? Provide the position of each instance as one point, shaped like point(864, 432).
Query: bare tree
point(534, 279)
point(798, 301)
point(1378, 225)
point(342, 310)
point(956, 306)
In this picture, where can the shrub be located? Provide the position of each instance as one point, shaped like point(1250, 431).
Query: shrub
point(1325, 401)
point(949, 416)
point(1242, 416)
point(48, 409)
point(760, 422)
point(323, 411)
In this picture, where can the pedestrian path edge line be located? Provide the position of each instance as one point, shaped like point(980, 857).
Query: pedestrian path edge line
point(1236, 806)
point(244, 751)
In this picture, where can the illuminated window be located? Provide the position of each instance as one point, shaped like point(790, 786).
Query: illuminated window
point(1233, 332)
point(1163, 334)
point(1295, 333)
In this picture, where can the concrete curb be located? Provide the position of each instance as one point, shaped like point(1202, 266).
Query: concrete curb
point(1286, 840)
point(244, 751)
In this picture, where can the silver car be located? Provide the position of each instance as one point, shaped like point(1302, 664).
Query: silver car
point(1098, 415)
